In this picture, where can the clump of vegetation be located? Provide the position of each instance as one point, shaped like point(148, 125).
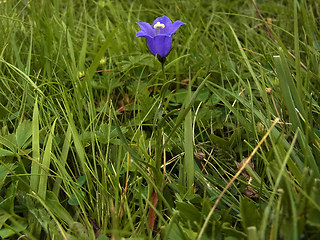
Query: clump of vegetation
point(98, 141)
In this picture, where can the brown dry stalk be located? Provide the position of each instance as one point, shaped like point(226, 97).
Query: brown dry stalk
point(264, 21)
point(245, 163)
point(152, 214)
point(270, 34)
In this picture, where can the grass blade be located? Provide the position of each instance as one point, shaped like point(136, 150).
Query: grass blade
point(188, 145)
point(35, 165)
point(45, 164)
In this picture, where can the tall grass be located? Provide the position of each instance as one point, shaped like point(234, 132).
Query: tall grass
point(96, 143)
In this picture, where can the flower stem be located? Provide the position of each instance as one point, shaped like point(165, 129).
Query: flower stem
point(159, 177)
point(165, 85)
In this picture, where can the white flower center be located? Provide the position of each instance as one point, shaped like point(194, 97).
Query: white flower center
point(158, 25)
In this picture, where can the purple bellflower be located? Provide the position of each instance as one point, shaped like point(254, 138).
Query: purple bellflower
point(159, 35)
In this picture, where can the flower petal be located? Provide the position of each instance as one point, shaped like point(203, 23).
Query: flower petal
point(142, 34)
point(173, 28)
point(160, 44)
point(164, 20)
point(147, 29)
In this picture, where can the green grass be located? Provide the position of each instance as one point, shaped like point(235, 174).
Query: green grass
point(96, 143)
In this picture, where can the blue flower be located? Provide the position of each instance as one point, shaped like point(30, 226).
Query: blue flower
point(159, 35)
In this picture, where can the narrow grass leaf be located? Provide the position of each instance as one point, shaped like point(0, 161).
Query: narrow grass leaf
point(295, 163)
point(35, 164)
point(188, 145)
point(294, 105)
point(288, 89)
point(94, 65)
point(63, 160)
point(45, 164)
point(234, 178)
point(186, 108)
point(297, 48)
point(23, 76)
point(265, 217)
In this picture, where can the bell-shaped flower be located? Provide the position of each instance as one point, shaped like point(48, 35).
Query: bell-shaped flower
point(159, 35)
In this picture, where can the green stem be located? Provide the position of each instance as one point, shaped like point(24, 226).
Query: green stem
point(159, 178)
point(188, 145)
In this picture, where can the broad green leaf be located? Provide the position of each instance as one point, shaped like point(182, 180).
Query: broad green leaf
point(53, 203)
point(9, 141)
point(231, 232)
point(81, 180)
point(9, 200)
point(173, 232)
point(313, 214)
point(4, 216)
point(73, 200)
point(249, 213)
point(13, 229)
point(189, 212)
point(6, 153)
point(4, 171)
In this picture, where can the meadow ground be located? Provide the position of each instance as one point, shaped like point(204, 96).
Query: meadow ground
point(97, 141)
